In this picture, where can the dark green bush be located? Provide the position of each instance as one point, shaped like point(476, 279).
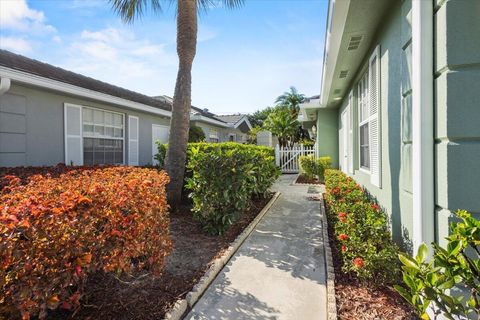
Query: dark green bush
point(162, 153)
point(223, 178)
point(196, 134)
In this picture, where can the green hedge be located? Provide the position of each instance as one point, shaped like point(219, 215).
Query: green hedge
point(312, 168)
point(223, 178)
point(361, 228)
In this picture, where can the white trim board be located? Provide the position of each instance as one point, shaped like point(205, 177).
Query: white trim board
point(197, 117)
point(42, 82)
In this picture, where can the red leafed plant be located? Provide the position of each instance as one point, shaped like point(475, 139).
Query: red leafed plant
point(59, 226)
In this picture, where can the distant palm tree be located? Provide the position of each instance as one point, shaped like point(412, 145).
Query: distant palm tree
point(292, 100)
point(282, 124)
point(129, 10)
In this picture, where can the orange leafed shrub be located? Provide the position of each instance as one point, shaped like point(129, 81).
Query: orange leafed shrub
point(57, 229)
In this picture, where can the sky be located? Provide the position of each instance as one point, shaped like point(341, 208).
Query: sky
point(245, 57)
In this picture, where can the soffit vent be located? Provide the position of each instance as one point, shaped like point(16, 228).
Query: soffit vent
point(343, 74)
point(354, 43)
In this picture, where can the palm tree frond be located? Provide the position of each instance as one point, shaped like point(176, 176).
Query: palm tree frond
point(204, 5)
point(129, 10)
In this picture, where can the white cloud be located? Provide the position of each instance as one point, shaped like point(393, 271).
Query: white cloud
point(206, 33)
point(16, 15)
point(80, 4)
point(120, 57)
point(15, 44)
point(106, 35)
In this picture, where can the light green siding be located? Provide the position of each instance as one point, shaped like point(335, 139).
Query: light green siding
point(327, 134)
point(395, 195)
point(457, 116)
point(457, 110)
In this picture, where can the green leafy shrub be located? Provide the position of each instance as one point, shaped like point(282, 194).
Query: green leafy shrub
point(224, 177)
point(196, 134)
point(162, 153)
point(308, 166)
point(361, 228)
point(307, 142)
point(429, 283)
point(59, 225)
point(312, 168)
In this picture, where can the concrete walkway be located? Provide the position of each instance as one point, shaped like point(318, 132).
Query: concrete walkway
point(279, 271)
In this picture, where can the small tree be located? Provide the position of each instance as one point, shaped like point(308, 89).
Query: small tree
point(283, 125)
point(196, 134)
point(258, 117)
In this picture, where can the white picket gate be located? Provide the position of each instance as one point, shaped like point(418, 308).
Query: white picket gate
point(287, 157)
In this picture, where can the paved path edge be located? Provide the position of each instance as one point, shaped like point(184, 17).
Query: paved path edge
point(183, 306)
point(331, 300)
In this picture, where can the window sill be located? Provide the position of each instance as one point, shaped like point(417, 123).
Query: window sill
point(366, 171)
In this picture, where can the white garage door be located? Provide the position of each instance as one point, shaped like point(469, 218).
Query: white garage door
point(159, 133)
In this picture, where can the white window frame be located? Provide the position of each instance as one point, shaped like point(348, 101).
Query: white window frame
point(66, 135)
point(104, 137)
point(362, 100)
point(137, 140)
point(213, 134)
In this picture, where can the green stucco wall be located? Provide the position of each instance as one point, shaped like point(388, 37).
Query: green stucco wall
point(395, 196)
point(327, 134)
point(457, 116)
point(457, 110)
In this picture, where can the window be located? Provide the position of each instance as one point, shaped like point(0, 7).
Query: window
point(363, 117)
point(232, 137)
point(213, 136)
point(103, 136)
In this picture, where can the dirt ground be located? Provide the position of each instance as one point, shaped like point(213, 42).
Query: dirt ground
point(302, 179)
point(143, 296)
point(359, 301)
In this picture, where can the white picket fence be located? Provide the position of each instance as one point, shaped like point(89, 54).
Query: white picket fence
point(287, 157)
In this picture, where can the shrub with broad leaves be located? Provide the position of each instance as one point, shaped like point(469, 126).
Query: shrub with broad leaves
point(313, 168)
point(56, 229)
point(361, 227)
point(224, 177)
point(428, 282)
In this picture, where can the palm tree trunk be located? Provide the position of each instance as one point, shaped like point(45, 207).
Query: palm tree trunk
point(182, 99)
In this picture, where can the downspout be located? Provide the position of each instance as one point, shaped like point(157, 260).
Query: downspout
point(422, 123)
point(4, 85)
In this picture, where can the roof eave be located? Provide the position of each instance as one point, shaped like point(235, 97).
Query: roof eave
point(198, 117)
point(337, 17)
point(243, 119)
point(55, 85)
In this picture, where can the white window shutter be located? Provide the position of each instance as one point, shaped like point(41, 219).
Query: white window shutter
point(73, 134)
point(375, 119)
point(350, 132)
point(133, 141)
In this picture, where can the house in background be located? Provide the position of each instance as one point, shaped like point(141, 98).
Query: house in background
point(239, 127)
point(217, 128)
point(399, 108)
point(49, 115)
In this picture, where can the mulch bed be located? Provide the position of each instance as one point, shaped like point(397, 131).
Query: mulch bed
point(356, 300)
point(304, 180)
point(144, 297)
